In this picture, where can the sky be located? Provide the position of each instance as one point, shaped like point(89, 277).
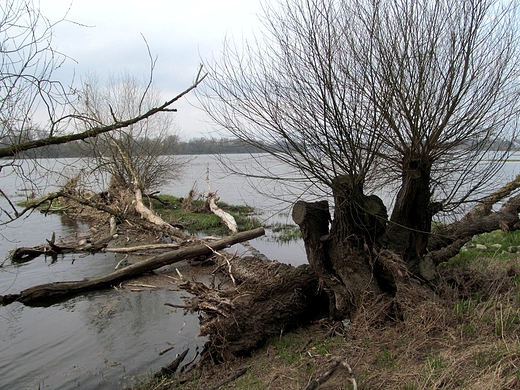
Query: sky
point(106, 37)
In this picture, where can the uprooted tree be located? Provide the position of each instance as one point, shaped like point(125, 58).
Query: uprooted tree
point(418, 97)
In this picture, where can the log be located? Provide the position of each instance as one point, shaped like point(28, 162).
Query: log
point(45, 293)
point(142, 248)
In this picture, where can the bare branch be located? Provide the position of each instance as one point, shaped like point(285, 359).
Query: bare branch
point(94, 132)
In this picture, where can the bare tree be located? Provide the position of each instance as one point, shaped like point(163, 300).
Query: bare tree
point(28, 60)
point(419, 95)
point(143, 149)
point(37, 110)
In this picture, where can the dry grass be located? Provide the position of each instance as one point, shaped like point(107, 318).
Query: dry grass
point(465, 336)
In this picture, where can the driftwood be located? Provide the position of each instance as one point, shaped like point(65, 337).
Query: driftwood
point(42, 294)
point(227, 218)
point(211, 204)
point(138, 248)
point(172, 367)
point(148, 215)
point(23, 254)
point(270, 299)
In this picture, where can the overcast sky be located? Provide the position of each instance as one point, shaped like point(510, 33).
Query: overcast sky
point(180, 33)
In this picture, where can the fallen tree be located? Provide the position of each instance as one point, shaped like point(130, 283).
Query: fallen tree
point(45, 293)
point(345, 274)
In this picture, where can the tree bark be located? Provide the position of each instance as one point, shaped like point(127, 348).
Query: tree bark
point(45, 293)
point(410, 223)
point(350, 259)
point(342, 257)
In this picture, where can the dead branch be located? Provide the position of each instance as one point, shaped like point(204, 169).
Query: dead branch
point(325, 376)
point(95, 131)
point(227, 218)
point(446, 241)
point(211, 200)
point(172, 367)
point(51, 248)
point(142, 248)
point(153, 218)
point(232, 378)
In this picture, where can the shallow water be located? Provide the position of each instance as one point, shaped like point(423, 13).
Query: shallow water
point(99, 340)
point(103, 339)
point(96, 341)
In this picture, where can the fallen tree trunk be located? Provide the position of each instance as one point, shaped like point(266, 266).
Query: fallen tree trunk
point(42, 294)
point(142, 248)
point(270, 299)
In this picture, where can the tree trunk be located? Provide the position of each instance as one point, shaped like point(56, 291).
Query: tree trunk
point(343, 257)
point(410, 223)
point(45, 293)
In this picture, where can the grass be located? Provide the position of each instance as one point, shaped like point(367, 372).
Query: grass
point(496, 245)
point(196, 219)
point(285, 233)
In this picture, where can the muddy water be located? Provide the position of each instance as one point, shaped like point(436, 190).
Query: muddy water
point(102, 340)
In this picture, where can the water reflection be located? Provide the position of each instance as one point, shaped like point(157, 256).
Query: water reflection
point(100, 340)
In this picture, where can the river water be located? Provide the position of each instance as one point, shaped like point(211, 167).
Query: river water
point(104, 339)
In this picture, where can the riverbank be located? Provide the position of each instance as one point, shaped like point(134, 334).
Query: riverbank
point(468, 338)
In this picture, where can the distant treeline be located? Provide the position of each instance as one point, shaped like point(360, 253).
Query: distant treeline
point(214, 146)
point(175, 147)
point(171, 145)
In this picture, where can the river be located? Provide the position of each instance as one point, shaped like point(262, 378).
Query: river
point(102, 340)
